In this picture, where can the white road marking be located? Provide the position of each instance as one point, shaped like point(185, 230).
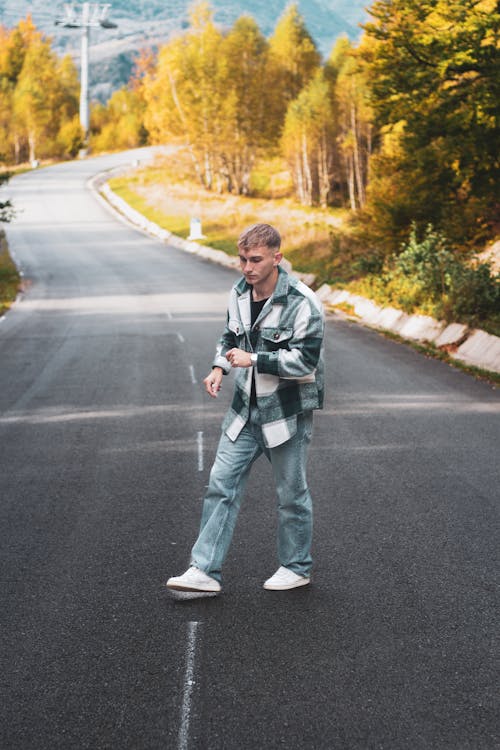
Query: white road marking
point(193, 376)
point(188, 685)
point(181, 338)
point(199, 442)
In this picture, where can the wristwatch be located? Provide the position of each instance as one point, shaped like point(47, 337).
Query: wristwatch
point(253, 359)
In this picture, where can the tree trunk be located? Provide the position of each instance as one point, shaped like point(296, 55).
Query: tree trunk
point(299, 179)
point(208, 172)
point(32, 146)
point(350, 182)
point(17, 149)
point(308, 182)
point(356, 158)
point(323, 175)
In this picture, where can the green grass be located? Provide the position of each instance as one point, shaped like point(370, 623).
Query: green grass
point(220, 239)
point(9, 277)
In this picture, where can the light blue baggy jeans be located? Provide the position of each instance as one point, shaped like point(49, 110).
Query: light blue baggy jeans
point(228, 479)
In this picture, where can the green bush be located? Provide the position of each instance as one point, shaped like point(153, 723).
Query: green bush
point(428, 277)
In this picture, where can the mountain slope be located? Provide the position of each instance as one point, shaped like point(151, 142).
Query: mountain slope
point(143, 23)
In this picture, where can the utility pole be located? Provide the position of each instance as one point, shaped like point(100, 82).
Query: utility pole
point(85, 17)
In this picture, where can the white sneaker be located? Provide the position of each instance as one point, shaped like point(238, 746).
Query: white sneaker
point(285, 579)
point(194, 579)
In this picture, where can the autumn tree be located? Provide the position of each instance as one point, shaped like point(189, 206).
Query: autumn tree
point(294, 54)
point(213, 90)
point(354, 131)
point(293, 61)
point(247, 126)
point(120, 123)
point(307, 141)
point(184, 95)
point(13, 46)
point(434, 73)
point(70, 135)
point(39, 96)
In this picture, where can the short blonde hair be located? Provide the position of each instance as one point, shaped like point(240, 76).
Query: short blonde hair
point(259, 235)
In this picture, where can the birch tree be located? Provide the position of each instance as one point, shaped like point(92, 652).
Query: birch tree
point(307, 141)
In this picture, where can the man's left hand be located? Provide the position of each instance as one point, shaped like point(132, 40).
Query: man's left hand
point(239, 358)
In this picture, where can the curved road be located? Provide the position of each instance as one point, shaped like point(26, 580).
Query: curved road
point(106, 441)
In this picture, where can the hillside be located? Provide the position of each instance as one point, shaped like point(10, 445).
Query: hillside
point(146, 23)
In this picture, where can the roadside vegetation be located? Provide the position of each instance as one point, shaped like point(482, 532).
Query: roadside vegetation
point(9, 276)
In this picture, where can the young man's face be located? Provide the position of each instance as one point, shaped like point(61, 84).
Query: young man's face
point(258, 264)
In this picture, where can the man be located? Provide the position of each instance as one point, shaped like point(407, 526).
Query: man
point(274, 339)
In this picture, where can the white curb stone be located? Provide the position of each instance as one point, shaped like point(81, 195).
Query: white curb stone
point(338, 297)
point(452, 334)
point(482, 350)
point(421, 328)
point(391, 319)
point(324, 292)
point(399, 323)
point(307, 278)
point(366, 309)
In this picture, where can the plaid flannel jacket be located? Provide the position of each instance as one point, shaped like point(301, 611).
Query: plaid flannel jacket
point(288, 340)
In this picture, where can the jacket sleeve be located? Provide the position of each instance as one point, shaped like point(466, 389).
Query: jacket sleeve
point(303, 351)
point(227, 341)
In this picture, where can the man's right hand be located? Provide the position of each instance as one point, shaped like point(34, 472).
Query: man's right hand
point(213, 381)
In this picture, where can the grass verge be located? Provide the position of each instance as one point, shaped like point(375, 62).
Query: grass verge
point(9, 277)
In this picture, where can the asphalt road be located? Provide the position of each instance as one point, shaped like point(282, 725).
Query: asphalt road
point(106, 440)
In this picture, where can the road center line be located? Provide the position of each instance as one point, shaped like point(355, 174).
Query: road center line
point(187, 696)
point(199, 442)
point(193, 376)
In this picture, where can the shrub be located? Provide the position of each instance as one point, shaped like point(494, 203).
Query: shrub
point(428, 277)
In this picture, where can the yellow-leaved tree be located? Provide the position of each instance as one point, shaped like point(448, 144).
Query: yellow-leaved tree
point(294, 54)
point(354, 120)
point(184, 96)
point(308, 140)
point(213, 90)
point(39, 97)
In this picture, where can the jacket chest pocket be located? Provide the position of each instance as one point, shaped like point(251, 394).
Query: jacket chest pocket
point(276, 338)
point(236, 328)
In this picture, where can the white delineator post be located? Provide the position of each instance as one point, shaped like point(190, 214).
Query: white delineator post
point(195, 232)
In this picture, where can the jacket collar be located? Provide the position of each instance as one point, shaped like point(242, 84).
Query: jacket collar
point(280, 290)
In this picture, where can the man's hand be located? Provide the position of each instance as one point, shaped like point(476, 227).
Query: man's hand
point(213, 381)
point(239, 358)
